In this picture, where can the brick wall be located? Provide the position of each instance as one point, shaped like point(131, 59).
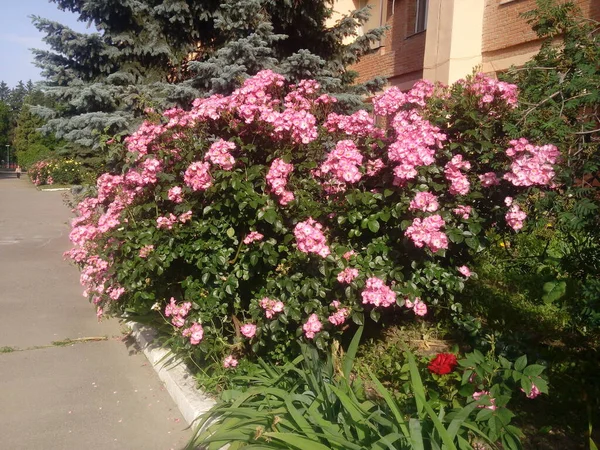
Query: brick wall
point(507, 39)
point(506, 35)
point(400, 59)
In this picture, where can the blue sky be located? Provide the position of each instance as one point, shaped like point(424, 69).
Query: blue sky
point(18, 35)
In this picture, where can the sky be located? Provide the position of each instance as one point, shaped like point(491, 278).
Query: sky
point(18, 35)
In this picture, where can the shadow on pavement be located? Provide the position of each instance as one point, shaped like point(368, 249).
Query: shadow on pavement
point(4, 174)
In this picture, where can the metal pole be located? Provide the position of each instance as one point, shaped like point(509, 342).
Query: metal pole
point(8, 155)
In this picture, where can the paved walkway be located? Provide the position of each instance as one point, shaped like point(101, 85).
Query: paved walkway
point(56, 394)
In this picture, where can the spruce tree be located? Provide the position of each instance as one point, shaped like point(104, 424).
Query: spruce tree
point(165, 53)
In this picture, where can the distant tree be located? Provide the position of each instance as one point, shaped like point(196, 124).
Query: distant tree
point(4, 92)
point(16, 97)
point(5, 127)
point(29, 143)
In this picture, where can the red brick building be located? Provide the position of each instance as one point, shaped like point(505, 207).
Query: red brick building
point(443, 40)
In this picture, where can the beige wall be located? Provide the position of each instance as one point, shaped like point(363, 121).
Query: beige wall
point(454, 39)
point(340, 8)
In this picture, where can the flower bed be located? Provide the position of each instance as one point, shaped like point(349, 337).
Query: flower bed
point(55, 171)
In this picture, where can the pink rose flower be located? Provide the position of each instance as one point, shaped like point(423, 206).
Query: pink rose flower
point(347, 275)
point(349, 254)
point(175, 194)
point(480, 394)
point(464, 270)
point(271, 307)
point(420, 308)
point(252, 237)
point(534, 392)
point(230, 362)
point(312, 326)
point(146, 250)
point(377, 293)
point(248, 330)
point(195, 333)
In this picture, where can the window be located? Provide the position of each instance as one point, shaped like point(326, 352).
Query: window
point(421, 16)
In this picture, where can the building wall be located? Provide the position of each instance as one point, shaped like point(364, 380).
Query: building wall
point(463, 35)
point(400, 58)
point(508, 39)
point(454, 33)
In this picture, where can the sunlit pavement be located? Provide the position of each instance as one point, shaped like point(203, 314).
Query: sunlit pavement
point(66, 381)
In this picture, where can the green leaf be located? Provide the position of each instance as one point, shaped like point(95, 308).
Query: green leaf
point(387, 441)
point(270, 215)
point(520, 363)
point(375, 315)
point(230, 232)
point(526, 385)
point(416, 435)
point(299, 419)
point(416, 383)
point(533, 370)
point(505, 415)
point(554, 290)
point(474, 227)
point(357, 318)
point(351, 352)
point(472, 242)
point(459, 419)
point(455, 235)
point(484, 414)
point(381, 390)
point(299, 442)
point(373, 225)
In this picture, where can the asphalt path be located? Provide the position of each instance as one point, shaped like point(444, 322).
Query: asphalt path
point(67, 381)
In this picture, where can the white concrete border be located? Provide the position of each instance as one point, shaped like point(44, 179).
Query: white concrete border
point(178, 380)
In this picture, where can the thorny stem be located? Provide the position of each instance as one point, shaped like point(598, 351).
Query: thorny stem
point(237, 253)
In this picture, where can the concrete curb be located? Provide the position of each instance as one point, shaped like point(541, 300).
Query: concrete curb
point(178, 380)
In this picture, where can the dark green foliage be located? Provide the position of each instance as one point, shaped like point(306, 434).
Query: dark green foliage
point(317, 403)
point(11, 101)
point(30, 144)
point(4, 125)
point(17, 96)
point(560, 102)
point(4, 92)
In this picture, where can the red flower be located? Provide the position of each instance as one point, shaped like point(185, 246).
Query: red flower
point(443, 363)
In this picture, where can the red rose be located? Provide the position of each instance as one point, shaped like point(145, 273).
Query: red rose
point(443, 363)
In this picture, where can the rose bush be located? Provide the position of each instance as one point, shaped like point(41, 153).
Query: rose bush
point(263, 216)
point(55, 171)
